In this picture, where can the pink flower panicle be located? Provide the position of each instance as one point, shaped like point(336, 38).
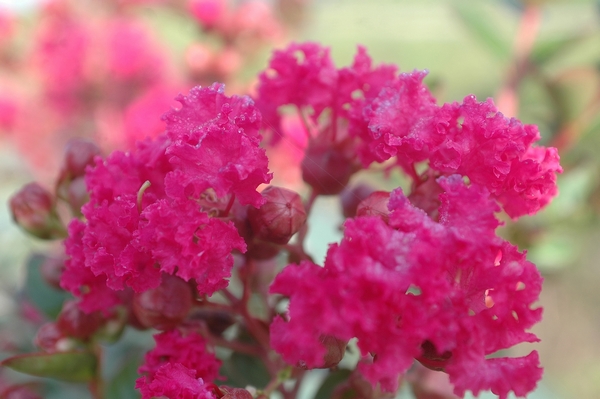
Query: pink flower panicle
point(416, 283)
point(419, 276)
point(176, 223)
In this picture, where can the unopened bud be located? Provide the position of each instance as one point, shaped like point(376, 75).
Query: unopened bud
point(216, 321)
point(336, 349)
point(280, 217)
point(79, 153)
point(52, 269)
point(208, 12)
point(165, 306)
point(77, 195)
point(227, 62)
point(326, 168)
point(375, 204)
point(427, 197)
point(198, 58)
point(33, 209)
point(352, 196)
point(234, 393)
point(47, 337)
point(75, 323)
point(432, 359)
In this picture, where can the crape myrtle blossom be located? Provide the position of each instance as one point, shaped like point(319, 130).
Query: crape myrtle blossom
point(391, 115)
point(472, 139)
point(161, 208)
point(448, 293)
point(176, 364)
point(419, 276)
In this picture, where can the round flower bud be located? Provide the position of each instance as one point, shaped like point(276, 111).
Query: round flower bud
point(33, 209)
point(52, 269)
point(47, 337)
point(431, 358)
point(75, 323)
point(165, 306)
point(326, 169)
point(79, 153)
point(234, 393)
point(352, 196)
point(375, 204)
point(279, 218)
point(216, 321)
point(335, 351)
point(427, 197)
point(77, 194)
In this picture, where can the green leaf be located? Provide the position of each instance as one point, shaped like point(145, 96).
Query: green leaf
point(478, 21)
point(242, 370)
point(334, 379)
point(73, 366)
point(49, 300)
point(123, 385)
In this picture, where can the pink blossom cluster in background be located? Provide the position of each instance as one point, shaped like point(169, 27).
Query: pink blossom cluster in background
point(101, 70)
point(420, 274)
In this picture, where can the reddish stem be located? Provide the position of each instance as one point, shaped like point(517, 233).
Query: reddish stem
point(507, 98)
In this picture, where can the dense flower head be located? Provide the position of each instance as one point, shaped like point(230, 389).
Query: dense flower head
point(380, 114)
point(304, 75)
point(470, 138)
point(174, 381)
point(424, 286)
point(177, 367)
point(163, 207)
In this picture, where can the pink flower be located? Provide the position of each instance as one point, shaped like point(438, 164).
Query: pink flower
point(418, 288)
point(302, 75)
point(215, 144)
point(177, 351)
point(472, 139)
point(175, 381)
point(162, 207)
point(475, 140)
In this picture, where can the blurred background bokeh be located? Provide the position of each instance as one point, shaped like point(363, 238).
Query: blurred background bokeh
point(107, 70)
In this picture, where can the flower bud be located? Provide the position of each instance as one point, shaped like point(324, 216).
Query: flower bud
point(79, 153)
point(280, 217)
point(216, 321)
point(352, 196)
point(326, 168)
point(375, 204)
point(336, 349)
point(198, 58)
point(33, 209)
point(75, 323)
point(427, 197)
point(47, 337)
point(234, 393)
point(431, 358)
point(208, 12)
point(77, 194)
point(165, 306)
point(52, 269)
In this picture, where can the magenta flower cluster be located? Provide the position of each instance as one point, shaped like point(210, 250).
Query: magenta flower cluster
point(424, 278)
